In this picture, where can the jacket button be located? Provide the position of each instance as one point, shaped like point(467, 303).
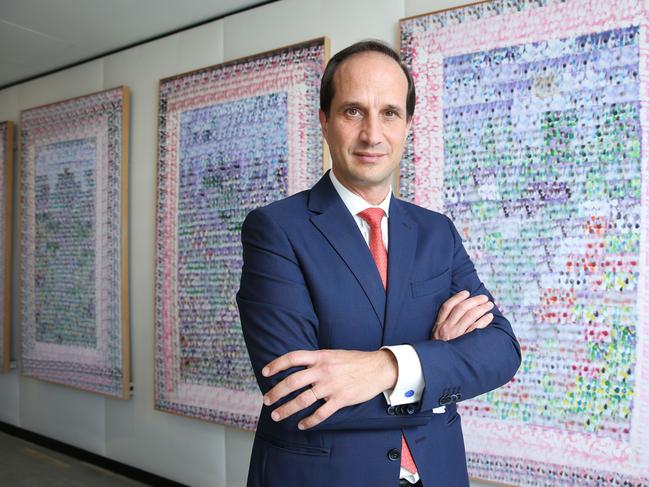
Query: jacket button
point(454, 398)
point(444, 400)
point(394, 454)
point(459, 396)
point(399, 410)
point(391, 411)
point(410, 409)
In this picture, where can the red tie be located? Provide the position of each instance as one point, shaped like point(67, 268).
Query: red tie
point(373, 217)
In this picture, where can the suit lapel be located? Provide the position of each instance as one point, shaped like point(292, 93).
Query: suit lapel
point(339, 228)
point(402, 245)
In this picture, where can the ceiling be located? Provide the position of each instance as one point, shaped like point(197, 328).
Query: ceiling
point(40, 36)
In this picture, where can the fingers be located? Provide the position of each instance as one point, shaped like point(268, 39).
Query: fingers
point(465, 306)
point(449, 304)
point(291, 359)
point(302, 401)
point(481, 323)
point(472, 315)
point(462, 316)
point(318, 416)
point(289, 384)
point(340, 377)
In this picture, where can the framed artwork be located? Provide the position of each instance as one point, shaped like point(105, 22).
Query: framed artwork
point(74, 243)
point(530, 133)
point(6, 202)
point(232, 137)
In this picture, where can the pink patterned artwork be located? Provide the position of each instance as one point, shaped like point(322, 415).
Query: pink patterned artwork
point(530, 133)
point(6, 185)
point(232, 137)
point(73, 193)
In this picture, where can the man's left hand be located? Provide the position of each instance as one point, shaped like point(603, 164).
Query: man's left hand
point(340, 377)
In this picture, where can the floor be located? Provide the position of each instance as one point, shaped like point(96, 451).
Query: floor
point(24, 464)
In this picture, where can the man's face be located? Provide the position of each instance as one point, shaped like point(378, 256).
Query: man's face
point(367, 126)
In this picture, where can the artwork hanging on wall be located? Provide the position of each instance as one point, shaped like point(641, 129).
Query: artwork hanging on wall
point(6, 201)
point(232, 137)
point(74, 245)
point(529, 134)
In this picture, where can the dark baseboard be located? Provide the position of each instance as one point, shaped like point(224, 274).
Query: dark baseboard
point(88, 457)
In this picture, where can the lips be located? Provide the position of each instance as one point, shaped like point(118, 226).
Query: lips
point(369, 156)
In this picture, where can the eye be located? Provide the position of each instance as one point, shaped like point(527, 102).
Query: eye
point(391, 114)
point(352, 111)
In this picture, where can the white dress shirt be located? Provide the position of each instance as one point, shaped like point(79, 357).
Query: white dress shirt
point(410, 380)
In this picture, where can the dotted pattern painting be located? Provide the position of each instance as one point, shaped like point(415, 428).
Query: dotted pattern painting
point(6, 183)
point(74, 300)
point(233, 137)
point(528, 134)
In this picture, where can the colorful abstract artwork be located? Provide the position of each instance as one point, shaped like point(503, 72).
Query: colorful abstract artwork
point(73, 193)
point(232, 137)
point(529, 134)
point(6, 200)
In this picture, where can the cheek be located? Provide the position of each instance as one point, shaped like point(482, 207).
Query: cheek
point(397, 140)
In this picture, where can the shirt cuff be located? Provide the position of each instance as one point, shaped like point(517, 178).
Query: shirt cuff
point(410, 377)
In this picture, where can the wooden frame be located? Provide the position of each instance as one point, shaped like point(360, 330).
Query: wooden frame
point(277, 78)
point(530, 67)
point(74, 334)
point(6, 212)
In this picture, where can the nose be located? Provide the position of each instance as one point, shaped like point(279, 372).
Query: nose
point(370, 130)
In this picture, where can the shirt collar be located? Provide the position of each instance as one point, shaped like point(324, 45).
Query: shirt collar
point(354, 203)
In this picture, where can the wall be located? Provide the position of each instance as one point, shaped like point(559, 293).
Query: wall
point(182, 449)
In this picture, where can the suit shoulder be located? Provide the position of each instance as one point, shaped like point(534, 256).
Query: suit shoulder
point(283, 209)
point(424, 215)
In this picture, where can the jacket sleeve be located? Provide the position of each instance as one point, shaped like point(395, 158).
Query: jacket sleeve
point(277, 317)
point(474, 363)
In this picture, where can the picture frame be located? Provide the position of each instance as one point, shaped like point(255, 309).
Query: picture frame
point(74, 243)
point(530, 134)
point(232, 137)
point(6, 214)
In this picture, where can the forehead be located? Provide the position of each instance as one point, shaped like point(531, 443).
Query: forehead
point(370, 74)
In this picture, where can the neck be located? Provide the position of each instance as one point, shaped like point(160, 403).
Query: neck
point(374, 195)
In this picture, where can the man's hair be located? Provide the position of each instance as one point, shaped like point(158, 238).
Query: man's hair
point(327, 83)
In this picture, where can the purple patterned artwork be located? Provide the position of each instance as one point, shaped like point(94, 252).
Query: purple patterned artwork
point(73, 243)
point(529, 134)
point(232, 137)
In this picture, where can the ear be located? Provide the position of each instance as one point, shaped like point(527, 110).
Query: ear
point(408, 125)
point(323, 123)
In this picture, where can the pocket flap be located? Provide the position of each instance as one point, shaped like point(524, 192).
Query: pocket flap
point(431, 286)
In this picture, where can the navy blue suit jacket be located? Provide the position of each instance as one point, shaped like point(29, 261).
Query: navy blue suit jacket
point(309, 282)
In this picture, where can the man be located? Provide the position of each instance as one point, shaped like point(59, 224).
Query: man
point(334, 275)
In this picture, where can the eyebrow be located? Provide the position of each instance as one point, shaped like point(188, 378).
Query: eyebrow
point(394, 108)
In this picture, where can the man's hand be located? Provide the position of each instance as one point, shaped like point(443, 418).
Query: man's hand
point(461, 314)
point(340, 377)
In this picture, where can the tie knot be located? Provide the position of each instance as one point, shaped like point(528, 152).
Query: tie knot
point(372, 216)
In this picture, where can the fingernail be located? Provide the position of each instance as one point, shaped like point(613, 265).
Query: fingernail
point(300, 426)
point(266, 400)
point(275, 416)
point(265, 371)
point(465, 292)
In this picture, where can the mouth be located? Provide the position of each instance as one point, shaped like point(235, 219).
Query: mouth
point(369, 156)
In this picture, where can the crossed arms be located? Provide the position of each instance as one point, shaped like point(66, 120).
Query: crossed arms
point(340, 389)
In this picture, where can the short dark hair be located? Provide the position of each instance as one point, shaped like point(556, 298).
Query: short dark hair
point(327, 83)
